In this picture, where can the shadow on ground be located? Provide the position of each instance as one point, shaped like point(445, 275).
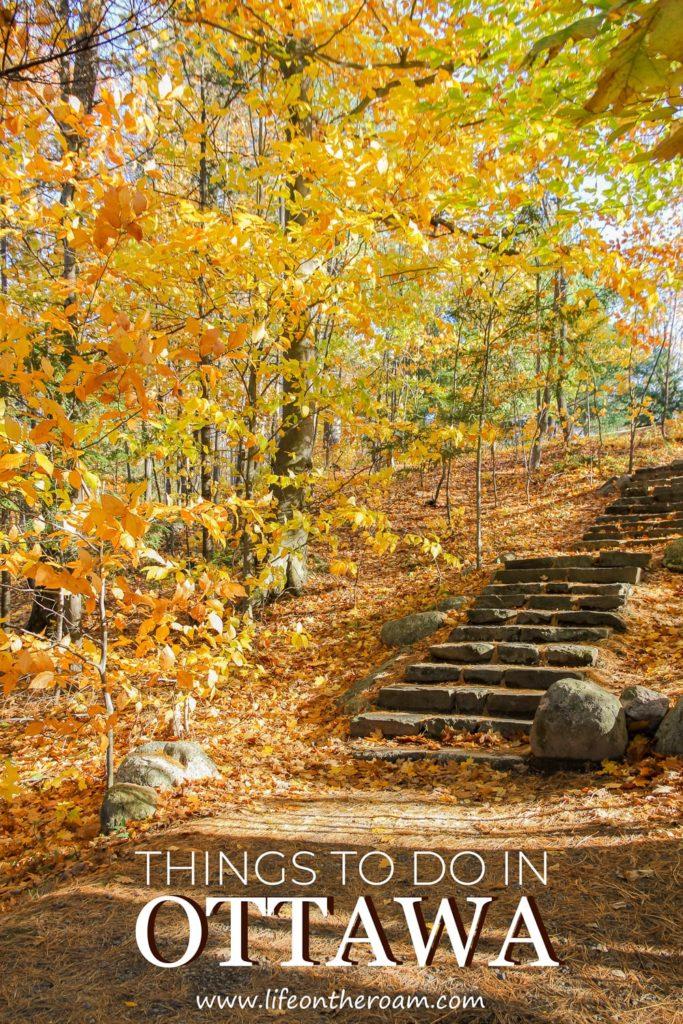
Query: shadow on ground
point(612, 908)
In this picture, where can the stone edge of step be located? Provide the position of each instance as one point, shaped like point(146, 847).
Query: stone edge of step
point(500, 760)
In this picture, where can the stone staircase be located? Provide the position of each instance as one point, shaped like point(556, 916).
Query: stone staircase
point(649, 510)
point(537, 622)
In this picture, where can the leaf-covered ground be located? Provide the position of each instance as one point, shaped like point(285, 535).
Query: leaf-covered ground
point(278, 734)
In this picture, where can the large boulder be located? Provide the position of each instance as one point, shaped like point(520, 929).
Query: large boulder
point(195, 760)
point(669, 738)
point(673, 555)
point(644, 708)
point(156, 770)
point(125, 802)
point(577, 720)
point(411, 628)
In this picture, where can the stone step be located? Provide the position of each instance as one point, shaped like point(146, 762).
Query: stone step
point(551, 562)
point(632, 505)
point(554, 587)
point(575, 561)
point(594, 574)
point(467, 700)
point(571, 655)
point(609, 533)
point(552, 602)
point(407, 723)
point(528, 676)
point(646, 486)
point(663, 468)
point(654, 494)
point(588, 545)
point(653, 497)
point(637, 529)
point(499, 759)
point(641, 517)
point(535, 616)
point(628, 535)
point(530, 634)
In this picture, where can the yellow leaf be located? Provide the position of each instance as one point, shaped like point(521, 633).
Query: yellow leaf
point(41, 681)
point(167, 658)
point(44, 463)
point(8, 781)
point(215, 621)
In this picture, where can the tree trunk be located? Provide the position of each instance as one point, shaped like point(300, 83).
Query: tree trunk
point(560, 327)
point(294, 454)
point(667, 370)
point(542, 397)
point(480, 446)
point(78, 77)
point(44, 609)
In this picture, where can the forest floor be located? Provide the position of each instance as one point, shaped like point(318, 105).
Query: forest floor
point(612, 906)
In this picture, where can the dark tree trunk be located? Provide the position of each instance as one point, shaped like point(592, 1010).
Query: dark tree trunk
point(44, 611)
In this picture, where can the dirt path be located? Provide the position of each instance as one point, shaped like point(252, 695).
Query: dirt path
point(612, 907)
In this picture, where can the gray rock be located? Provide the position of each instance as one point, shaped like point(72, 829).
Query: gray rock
point(411, 628)
point(195, 761)
point(673, 555)
point(669, 738)
point(125, 802)
point(644, 708)
point(571, 654)
point(451, 603)
point(615, 483)
point(156, 770)
point(578, 721)
point(519, 654)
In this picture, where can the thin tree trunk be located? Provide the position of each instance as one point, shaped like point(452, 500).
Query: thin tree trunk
point(78, 77)
point(667, 369)
point(294, 454)
point(494, 474)
point(480, 430)
point(102, 671)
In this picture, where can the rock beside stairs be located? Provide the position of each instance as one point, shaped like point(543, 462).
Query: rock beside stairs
point(155, 770)
point(195, 760)
point(669, 738)
point(155, 765)
point(644, 708)
point(577, 720)
point(411, 628)
point(166, 765)
point(673, 556)
point(125, 802)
